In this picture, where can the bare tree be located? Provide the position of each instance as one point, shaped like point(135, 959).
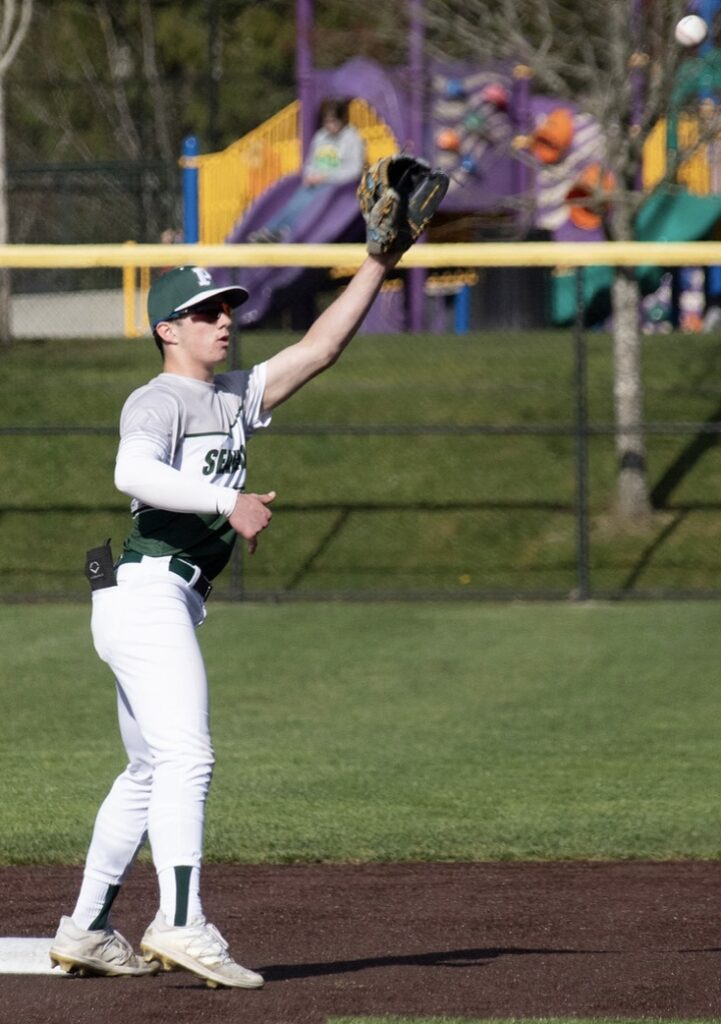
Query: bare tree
point(14, 24)
point(616, 61)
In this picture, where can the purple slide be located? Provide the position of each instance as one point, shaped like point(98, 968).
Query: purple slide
point(334, 217)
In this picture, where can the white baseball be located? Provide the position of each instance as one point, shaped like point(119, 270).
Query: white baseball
point(691, 30)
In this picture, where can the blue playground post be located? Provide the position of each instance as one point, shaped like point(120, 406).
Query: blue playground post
point(191, 221)
point(708, 10)
point(462, 310)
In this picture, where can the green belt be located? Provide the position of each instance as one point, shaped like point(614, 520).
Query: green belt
point(186, 571)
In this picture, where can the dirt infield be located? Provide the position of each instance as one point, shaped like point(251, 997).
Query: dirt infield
point(474, 940)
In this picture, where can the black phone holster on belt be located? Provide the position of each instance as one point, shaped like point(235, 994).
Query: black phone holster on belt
point(99, 568)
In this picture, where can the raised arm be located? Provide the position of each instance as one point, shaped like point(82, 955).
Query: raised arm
point(292, 367)
point(398, 196)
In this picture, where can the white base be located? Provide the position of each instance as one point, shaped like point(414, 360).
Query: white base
point(26, 956)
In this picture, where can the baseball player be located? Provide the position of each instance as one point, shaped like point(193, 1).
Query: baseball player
point(182, 459)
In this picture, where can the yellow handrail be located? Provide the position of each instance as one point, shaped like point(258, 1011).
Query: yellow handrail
point(378, 137)
point(232, 179)
point(229, 181)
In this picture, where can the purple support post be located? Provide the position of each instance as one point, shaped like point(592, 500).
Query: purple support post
point(416, 277)
point(416, 70)
point(521, 105)
point(304, 71)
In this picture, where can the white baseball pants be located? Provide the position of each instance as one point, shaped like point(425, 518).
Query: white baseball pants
point(144, 628)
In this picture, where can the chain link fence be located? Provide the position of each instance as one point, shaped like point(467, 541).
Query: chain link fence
point(475, 464)
point(88, 203)
point(98, 203)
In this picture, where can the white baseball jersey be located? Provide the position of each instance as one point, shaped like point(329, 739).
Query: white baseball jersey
point(200, 430)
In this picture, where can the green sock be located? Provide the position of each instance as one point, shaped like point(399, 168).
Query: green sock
point(182, 890)
point(101, 921)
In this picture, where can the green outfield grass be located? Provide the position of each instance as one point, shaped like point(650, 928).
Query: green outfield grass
point(394, 514)
point(385, 732)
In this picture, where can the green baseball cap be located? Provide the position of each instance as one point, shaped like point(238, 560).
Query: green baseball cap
point(185, 287)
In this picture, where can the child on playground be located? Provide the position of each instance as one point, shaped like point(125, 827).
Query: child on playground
point(336, 157)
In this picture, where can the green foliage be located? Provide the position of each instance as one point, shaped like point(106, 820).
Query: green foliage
point(82, 88)
point(383, 732)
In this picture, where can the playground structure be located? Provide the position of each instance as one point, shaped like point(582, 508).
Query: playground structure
point(520, 166)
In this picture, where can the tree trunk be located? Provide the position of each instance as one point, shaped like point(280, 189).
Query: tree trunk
point(632, 487)
point(5, 323)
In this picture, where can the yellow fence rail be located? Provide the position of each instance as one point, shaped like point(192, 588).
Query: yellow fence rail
point(565, 254)
point(456, 254)
point(698, 173)
point(231, 180)
point(136, 261)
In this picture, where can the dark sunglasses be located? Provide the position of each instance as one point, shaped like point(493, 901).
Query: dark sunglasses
point(212, 310)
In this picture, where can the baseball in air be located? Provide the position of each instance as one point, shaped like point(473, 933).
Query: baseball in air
point(691, 30)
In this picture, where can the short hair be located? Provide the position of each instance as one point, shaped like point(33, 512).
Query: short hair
point(159, 342)
point(334, 108)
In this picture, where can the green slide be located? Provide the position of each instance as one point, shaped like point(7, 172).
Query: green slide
point(670, 214)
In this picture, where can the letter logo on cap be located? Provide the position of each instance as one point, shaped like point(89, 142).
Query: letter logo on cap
point(204, 278)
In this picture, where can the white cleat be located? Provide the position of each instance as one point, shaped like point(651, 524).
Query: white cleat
point(199, 948)
point(104, 952)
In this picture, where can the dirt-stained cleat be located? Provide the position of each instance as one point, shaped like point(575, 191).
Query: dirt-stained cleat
point(199, 948)
point(102, 952)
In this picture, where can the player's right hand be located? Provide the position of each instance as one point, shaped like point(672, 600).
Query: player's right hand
point(251, 515)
